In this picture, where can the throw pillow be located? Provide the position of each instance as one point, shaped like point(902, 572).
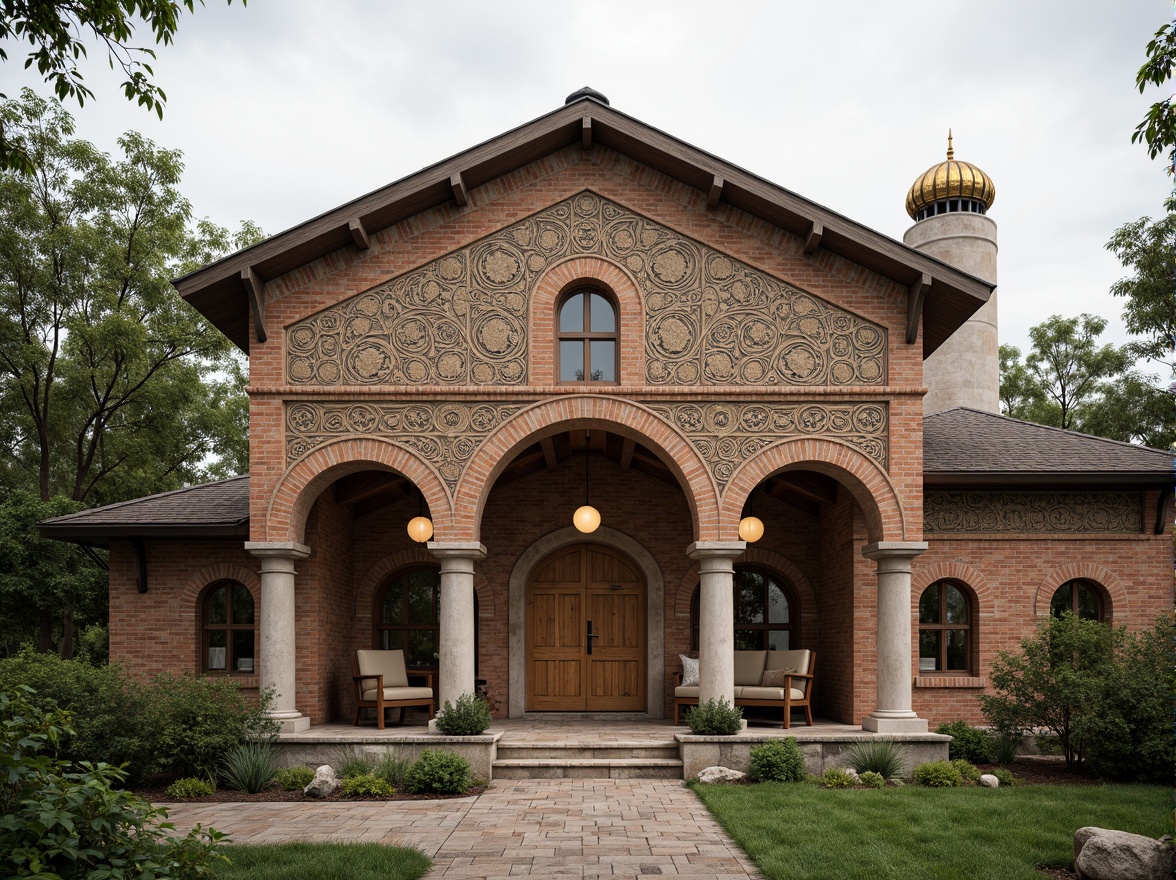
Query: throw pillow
point(689, 671)
point(776, 678)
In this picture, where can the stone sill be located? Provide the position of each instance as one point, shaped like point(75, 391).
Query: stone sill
point(950, 681)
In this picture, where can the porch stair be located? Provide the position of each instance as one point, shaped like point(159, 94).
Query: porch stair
point(589, 760)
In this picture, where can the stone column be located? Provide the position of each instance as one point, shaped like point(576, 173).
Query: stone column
point(277, 622)
point(716, 617)
point(456, 630)
point(894, 713)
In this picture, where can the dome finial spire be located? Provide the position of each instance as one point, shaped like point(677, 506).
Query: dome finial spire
point(950, 149)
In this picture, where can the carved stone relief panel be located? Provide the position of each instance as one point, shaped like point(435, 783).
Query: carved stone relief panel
point(462, 319)
point(964, 511)
point(445, 434)
point(728, 433)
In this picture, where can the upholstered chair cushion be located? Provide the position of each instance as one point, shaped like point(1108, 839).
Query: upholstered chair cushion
point(749, 667)
point(404, 693)
point(768, 693)
point(389, 664)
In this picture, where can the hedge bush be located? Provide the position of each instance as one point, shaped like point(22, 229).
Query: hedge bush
point(778, 760)
point(295, 778)
point(190, 787)
point(968, 771)
point(715, 718)
point(972, 744)
point(836, 777)
point(366, 785)
point(938, 774)
point(440, 772)
point(872, 779)
point(469, 716)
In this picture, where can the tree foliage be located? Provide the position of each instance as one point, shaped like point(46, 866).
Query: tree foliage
point(1148, 248)
point(1158, 128)
point(57, 33)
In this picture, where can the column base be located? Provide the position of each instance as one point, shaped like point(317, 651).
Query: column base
point(913, 724)
point(294, 725)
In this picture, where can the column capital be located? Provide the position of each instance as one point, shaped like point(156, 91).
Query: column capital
point(701, 550)
point(894, 550)
point(457, 549)
point(277, 549)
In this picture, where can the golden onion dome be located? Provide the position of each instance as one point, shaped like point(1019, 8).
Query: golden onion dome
point(951, 179)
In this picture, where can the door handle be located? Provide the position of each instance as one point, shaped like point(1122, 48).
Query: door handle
point(591, 636)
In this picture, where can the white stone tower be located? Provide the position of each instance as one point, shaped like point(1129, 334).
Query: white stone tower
point(949, 204)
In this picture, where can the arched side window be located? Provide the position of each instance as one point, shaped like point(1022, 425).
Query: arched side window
point(766, 613)
point(408, 613)
point(587, 338)
point(227, 624)
point(1080, 596)
point(946, 630)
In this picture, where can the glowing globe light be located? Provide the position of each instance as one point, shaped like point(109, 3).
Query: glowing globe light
point(420, 529)
point(751, 529)
point(586, 519)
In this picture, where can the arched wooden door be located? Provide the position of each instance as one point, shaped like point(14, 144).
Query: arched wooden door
point(586, 633)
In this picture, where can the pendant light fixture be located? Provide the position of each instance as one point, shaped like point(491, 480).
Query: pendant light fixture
point(586, 518)
point(420, 527)
point(751, 527)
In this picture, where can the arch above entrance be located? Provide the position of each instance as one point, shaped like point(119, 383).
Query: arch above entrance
point(870, 486)
point(291, 499)
point(559, 414)
point(654, 611)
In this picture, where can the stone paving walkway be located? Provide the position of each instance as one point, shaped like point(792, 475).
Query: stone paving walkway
point(620, 828)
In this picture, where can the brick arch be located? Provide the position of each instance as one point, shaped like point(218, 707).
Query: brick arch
point(1114, 593)
point(971, 577)
point(365, 595)
point(191, 598)
point(291, 500)
point(587, 271)
point(869, 484)
point(558, 414)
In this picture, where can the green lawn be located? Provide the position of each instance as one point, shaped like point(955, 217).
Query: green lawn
point(322, 861)
point(795, 831)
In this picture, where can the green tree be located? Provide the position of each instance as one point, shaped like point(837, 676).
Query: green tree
point(1148, 248)
point(115, 386)
point(57, 33)
point(1158, 128)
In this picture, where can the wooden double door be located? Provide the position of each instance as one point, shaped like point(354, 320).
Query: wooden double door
point(586, 633)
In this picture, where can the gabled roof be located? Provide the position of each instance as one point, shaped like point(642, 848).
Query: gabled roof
point(209, 510)
point(222, 290)
point(967, 446)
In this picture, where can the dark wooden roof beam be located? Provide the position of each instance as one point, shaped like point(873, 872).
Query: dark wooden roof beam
point(358, 234)
point(586, 133)
point(812, 239)
point(627, 449)
point(916, 295)
point(255, 290)
point(457, 184)
point(715, 193)
point(549, 456)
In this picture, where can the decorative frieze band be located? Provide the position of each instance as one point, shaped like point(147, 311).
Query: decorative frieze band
point(462, 319)
point(727, 434)
point(445, 434)
point(1009, 512)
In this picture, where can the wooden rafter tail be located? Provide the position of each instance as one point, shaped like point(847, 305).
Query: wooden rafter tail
point(255, 290)
point(916, 295)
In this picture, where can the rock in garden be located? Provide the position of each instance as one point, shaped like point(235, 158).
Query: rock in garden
point(1101, 854)
point(720, 774)
point(989, 781)
point(324, 784)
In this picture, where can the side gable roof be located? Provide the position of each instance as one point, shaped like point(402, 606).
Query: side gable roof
point(969, 447)
point(222, 290)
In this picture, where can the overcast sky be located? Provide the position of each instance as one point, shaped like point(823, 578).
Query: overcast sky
point(287, 108)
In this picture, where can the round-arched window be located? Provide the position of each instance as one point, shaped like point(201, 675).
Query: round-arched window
point(587, 338)
point(227, 625)
point(766, 613)
point(408, 613)
point(1080, 596)
point(945, 629)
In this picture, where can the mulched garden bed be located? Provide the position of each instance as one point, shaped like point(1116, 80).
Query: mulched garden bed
point(276, 794)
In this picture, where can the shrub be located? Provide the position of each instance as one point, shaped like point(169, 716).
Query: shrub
point(392, 768)
point(469, 716)
point(1004, 747)
point(250, 766)
point(777, 761)
point(938, 774)
point(715, 718)
point(884, 757)
point(199, 719)
point(61, 820)
point(969, 743)
point(872, 779)
point(294, 778)
point(836, 777)
point(968, 770)
point(1004, 776)
point(366, 785)
point(439, 771)
point(190, 787)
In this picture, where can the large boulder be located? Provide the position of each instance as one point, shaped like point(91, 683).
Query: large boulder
point(720, 774)
point(1103, 854)
point(324, 784)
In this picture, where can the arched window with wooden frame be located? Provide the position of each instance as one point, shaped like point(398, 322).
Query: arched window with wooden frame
point(767, 616)
point(587, 338)
point(407, 616)
point(946, 629)
point(228, 629)
point(1081, 596)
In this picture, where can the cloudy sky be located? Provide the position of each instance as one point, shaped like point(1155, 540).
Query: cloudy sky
point(287, 108)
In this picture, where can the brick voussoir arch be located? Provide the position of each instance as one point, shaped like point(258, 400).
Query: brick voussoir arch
point(868, 483)
point(1102, 577)
point(922, 578)
point(615, 414)
point(415, 556)
point(210, 574)
point(301, 484)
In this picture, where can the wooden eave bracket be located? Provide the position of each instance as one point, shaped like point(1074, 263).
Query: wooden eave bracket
point(715, 193)
point(359, 234)
point(812, 239)
point(1162, 511)
point(549, 456)
point(459, 190)
point(916, 294)
point(586, 132)
point(255, 290)
point(627, 449)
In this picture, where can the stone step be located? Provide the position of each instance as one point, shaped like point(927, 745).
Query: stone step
point(570, 751)
point(588, 768)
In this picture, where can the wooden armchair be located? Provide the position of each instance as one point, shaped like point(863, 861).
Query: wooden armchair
point(381, 682)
